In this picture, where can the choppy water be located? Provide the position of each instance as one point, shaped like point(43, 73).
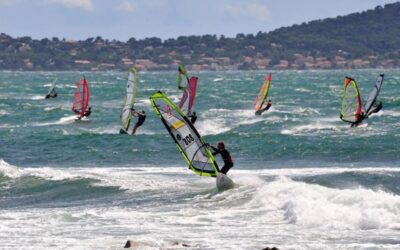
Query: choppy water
point(305, 180)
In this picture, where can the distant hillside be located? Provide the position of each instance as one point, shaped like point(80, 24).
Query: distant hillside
point(359, 35)
point(360, 40)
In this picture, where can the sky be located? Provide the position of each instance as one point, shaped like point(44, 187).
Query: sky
point(123, 19)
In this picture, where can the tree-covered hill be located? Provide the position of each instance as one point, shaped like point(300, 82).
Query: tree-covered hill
point(360, 40)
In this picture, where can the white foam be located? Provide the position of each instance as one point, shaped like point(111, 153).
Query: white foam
point(329, 119)
point(315, 206)
point(105, 130)
point(307, 111)
point(285, 109)
point(255, 214)
point(143, 102)
point(212, 127)
point(61, 121)
point(148, 88)
point(146, 178)
point(52, 108)
point(59, 85)
point(37, 97)
point(218, 79)
point(9, 126)
point(9, 170)
point(145, 131)
point(68, 86)
point(393, 98)
point(318, 171)
point(386, 113)
point(307, 129)
point(64, 132)
point(302, 90)
point(223, 120)
point(115, 130)
point(175, 98)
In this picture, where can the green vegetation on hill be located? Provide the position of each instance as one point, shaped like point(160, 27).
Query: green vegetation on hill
point(359, 40)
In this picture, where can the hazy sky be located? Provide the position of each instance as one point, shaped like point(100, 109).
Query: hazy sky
point(122, 19)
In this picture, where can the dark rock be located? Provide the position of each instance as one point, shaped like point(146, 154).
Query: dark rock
point(131, 243)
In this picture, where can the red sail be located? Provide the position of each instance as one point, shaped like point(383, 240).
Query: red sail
point(188, 96)
point(192, 90)
point(81, 98)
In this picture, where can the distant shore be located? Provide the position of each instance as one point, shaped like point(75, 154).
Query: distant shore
point(369, 39)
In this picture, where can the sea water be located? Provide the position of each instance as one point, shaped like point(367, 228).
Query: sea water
point(304, 179)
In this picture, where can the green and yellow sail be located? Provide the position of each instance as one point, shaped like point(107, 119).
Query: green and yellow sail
point(194, 150)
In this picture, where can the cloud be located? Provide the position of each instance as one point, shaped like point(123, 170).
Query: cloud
point(256, 11)
point(126, 6)
point(84, 4)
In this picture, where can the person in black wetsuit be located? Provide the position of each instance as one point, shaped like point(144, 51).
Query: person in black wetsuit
point(141, 118)
point(361, 117)
point(226, 156)
point(193, 117)
point(377, 106)
point(86, 113)
point(269, 104)
point(52, 94)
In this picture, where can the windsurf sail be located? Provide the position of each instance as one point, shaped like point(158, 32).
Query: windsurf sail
point(262, 96)
point(129, 100)
point(373, 94)
point(182, 72)
point(81, 98)
point(188, 96)
point(351, 101)
point(194, 150)
point(52, 89)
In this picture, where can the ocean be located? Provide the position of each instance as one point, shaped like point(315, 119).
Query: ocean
point(303, 178)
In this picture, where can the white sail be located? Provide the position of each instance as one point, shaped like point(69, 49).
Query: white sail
point(373, 95)
point(129, 101)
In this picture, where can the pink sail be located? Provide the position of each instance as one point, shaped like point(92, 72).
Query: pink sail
point(81, 98)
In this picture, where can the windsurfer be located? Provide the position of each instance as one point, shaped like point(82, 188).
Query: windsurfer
point(53, 94)
point(226, 156)
point(269, 104)
point(193, 117)
point(52, 91)
point(376, 107)
point(141, 118)
point(360, 118)
point(86, 113)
